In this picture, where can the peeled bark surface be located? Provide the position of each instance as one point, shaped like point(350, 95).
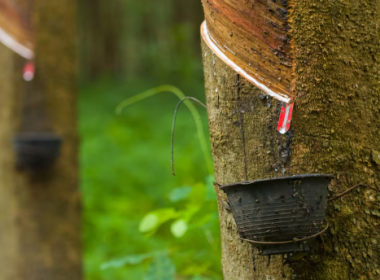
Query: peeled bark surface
point(335, 130)
point(254, 35)
point(15, 21)
point(40, 211)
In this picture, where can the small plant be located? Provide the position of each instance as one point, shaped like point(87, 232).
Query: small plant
point(168, 88)
point(190, 217)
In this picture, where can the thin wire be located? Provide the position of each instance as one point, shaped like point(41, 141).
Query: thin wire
point(289, 241)
point(173, 126)
point(350, 189)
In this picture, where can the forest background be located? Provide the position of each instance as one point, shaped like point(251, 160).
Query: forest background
point(140, 222)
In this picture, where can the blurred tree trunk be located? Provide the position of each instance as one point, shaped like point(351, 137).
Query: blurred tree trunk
point(101, 31)
point(335, 129)
point(134, 39)
point(40, 212)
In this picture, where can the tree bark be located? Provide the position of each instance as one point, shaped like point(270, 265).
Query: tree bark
point(40, 211)
point(335, 130)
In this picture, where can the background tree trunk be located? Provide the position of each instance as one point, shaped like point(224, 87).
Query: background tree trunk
point(40, 212)
point(101, 33)
point(131, 39)
point(335, 130)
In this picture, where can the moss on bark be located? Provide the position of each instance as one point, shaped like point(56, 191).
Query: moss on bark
point(335, 129)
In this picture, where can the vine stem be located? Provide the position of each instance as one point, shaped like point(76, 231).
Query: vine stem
point(173, 125)
point(176, 91)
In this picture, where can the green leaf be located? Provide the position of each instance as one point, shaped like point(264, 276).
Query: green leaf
point(179, 194)
point(148, 223)
point(130, 259)
point(161, 269)
point(156, 218)
point(179, 228)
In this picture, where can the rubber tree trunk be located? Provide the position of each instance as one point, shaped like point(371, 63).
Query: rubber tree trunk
point(40, 212)
point(335, 129)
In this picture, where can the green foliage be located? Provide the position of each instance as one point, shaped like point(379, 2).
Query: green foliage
point(179, 228)
point(161, 268)
point(132, 259)
point(140, 222)
point(150, 222)
point(194, 202)
point(176, 91)
point(179, 194)
point(156, 218)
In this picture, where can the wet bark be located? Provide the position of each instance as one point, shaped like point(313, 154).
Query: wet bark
point(335, 130)
point(40, 211)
